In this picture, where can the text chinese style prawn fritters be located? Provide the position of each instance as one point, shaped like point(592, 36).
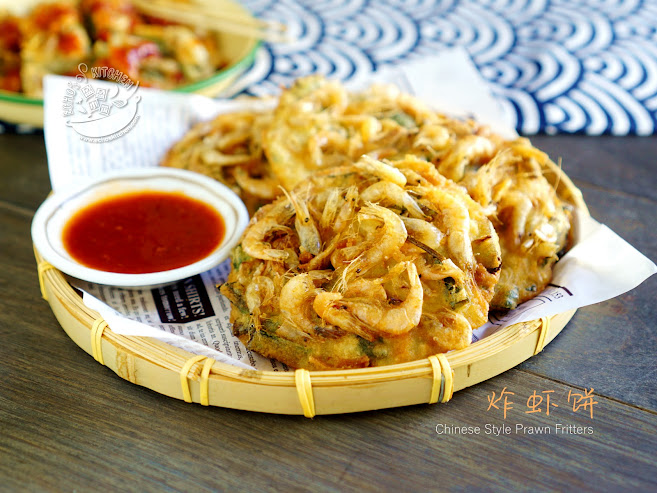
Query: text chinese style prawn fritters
point(364, 265)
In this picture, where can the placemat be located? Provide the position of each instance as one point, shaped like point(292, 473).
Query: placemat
point(558, 66)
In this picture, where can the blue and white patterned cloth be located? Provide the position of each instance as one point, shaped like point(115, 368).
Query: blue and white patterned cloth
point(556, 66)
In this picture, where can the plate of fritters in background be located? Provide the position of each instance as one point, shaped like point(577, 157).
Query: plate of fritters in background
point(56, 37)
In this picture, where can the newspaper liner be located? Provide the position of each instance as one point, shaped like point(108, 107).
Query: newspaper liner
point(194, 316)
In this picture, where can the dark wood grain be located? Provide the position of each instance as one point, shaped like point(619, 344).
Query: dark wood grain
point(627, 164)
point(24, 179)
point(69, 424)
point(102, 431)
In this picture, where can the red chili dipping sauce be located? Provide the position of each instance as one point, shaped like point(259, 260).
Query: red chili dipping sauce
point(142, 232)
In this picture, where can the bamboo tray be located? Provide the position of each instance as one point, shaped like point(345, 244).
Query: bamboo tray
point(182, 375)
point(240, 51)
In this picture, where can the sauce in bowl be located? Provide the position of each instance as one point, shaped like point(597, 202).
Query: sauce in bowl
point(143, 232)
point(139, 228)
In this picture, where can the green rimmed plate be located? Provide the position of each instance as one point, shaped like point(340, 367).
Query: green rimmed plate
point(240, 52)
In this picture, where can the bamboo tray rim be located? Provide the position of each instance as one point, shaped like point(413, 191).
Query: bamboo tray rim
point(57, 290)
point(183, 375)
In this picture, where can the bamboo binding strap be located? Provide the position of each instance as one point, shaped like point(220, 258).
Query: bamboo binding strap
point(305, 391)
point(184, 371)
point(97, 330)
point(205, 382)
point(42, 267)
point(542, 334)
point(442, 388)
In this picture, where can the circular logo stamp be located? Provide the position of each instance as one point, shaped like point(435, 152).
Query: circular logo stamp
point(101, 112)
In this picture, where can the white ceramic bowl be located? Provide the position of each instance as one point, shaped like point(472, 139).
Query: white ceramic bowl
point(55, 212)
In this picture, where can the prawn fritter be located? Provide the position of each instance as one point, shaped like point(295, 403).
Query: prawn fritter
point(532, 222)
point(319, 124)
point(229, 149)
point(54, 41)
point(364, 265)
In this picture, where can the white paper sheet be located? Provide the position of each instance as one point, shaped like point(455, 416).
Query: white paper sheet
point(584, 276)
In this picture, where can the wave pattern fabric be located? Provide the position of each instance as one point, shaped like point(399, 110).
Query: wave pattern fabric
point(559, 66)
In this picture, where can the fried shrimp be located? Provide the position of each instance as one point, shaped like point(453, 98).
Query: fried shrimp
point(381, 170)
point(456, 219)
point(230, 150)
point(393, 196)
point(423, 232)
point(380, 244)
point(532, 222)
point(368, 283)
point(368, 316)
point(296, 301)
point(305, 226)
point(319, 124)
point(268, 221)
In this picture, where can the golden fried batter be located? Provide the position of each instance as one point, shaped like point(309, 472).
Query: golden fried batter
point(229, 149)
point(532, 222)
point(319, 124)
point(364, 265)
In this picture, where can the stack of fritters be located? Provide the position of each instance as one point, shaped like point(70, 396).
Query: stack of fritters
point(386, 244)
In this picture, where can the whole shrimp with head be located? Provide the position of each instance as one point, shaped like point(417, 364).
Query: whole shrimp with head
point(384, 268)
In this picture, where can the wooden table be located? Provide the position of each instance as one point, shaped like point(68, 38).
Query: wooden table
point(69, 424)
